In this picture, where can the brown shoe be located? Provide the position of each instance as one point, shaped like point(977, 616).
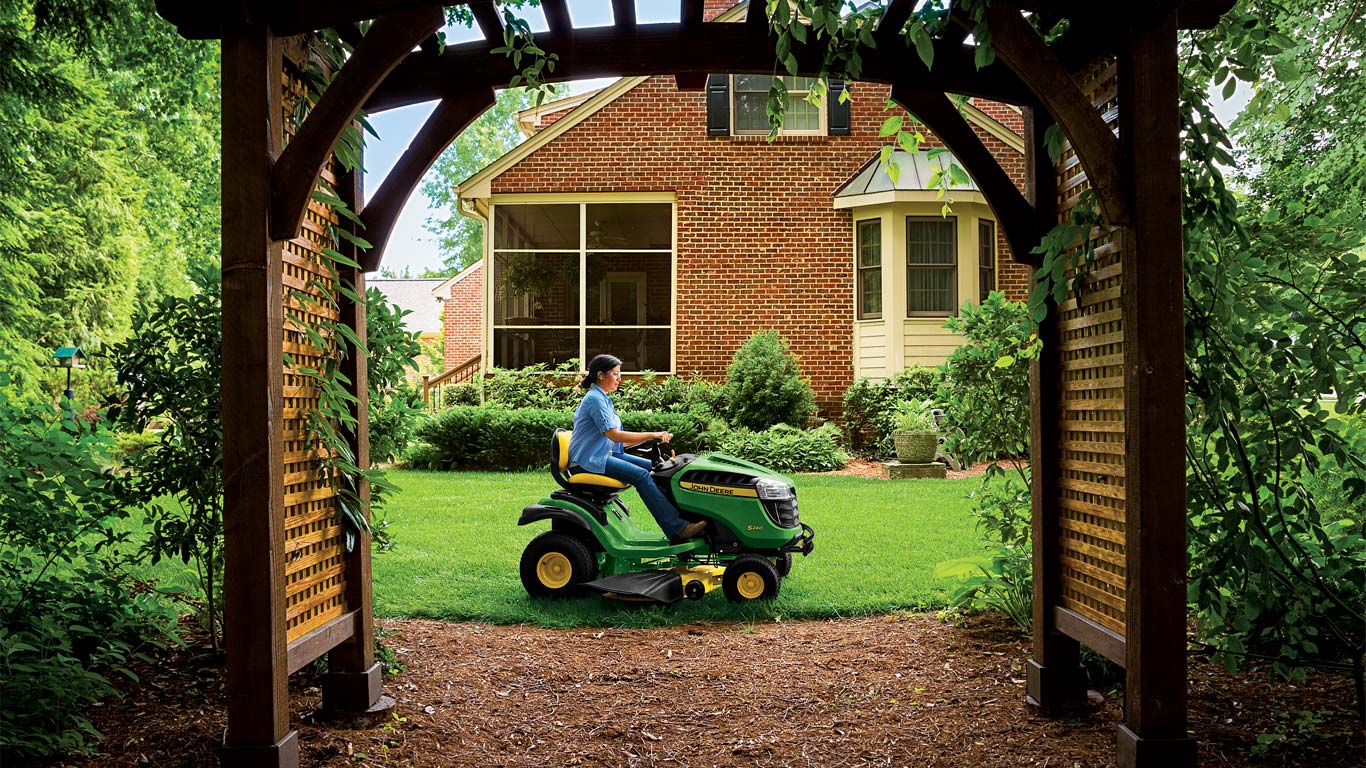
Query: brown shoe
point(690, 531)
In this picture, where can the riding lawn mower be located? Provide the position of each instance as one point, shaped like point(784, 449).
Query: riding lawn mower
point(594, 543)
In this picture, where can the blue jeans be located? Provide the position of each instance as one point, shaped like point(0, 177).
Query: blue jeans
point(636, 471)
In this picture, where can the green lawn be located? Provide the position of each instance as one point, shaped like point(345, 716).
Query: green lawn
point(458, 545)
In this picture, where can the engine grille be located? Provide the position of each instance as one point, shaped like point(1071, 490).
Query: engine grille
point(714, 477)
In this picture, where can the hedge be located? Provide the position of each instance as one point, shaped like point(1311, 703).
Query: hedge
point(496, 438)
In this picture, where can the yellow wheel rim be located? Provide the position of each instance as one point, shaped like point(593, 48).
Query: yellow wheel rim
point(750, 585)
point(554, 570)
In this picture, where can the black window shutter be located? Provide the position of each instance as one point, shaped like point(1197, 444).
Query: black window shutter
point(838, 122)
point(718, 105)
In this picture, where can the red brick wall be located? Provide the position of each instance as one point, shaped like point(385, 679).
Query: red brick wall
point(760, 244)
point(463, 314)
point(713, 8)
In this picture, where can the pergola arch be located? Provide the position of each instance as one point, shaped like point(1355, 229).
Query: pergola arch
point(1129, 159)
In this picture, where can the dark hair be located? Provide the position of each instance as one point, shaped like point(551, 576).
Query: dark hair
point(598, 365)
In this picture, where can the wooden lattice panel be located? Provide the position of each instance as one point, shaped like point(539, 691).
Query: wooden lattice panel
point(1091, 497)
point(315, 551)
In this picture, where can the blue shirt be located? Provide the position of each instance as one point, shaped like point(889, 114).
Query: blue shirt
point(589, 447)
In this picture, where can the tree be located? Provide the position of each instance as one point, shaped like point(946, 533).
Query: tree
point(108, 174)
point(492, 135)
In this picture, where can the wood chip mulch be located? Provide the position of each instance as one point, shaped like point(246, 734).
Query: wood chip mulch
point(897, 690)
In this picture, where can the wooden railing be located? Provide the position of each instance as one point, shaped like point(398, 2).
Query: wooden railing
point(460, 374)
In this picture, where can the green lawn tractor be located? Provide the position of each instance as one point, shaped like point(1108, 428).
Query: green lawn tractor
point(594, 543)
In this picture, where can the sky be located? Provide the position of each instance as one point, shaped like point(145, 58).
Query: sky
point(411, 246)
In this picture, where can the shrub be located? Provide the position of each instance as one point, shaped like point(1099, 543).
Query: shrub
point(536, 387)
point(497, 438)
point(391, 351)
point(468, 393)
point(68, 617)
point(783, 448)
point(170, 370)
point(1002, 578)
point(394, 419)
point(669, 394)
point(987, 390)
point(764, 385)
point(870, 407)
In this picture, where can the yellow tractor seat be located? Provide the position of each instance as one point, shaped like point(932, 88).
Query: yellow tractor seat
point(559, 466)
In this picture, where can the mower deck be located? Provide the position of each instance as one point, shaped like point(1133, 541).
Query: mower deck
point(661, 586)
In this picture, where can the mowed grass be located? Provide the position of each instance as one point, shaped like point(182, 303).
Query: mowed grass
point(457, 547)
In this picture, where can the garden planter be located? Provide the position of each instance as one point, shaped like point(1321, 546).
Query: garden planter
point(915, 447)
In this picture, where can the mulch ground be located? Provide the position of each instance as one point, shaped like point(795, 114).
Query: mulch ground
point(899, 690)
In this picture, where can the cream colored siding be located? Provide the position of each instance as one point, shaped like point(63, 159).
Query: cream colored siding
point(870, 345)
point(927, 342)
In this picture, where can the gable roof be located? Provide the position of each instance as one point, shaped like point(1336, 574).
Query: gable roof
point(442, 291)
point(416, 297)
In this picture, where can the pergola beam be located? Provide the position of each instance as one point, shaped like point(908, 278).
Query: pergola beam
point(295, 173)
point(671, 49)
point(557, 16)
point(486, 16)
point(1025, 52)
point(451, 117)
point(1017, 217)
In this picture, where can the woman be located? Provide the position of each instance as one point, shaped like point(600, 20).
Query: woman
point(598, 446)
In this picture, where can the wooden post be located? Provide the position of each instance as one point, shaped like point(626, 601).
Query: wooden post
point(354, 683)
point(1055, 679)
point(258, 731)
point(1154, 728)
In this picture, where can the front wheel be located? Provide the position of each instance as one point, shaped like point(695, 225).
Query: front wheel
point(783, 562)
point(554, 565)
point(750, 577)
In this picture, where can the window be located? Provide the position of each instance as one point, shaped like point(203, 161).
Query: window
point(931, 267)
point(986, 258)
point(750, 96)
point(573, 280)
point(868, 244)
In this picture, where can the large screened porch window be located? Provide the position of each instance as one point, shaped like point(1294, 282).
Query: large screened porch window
point(574, 280)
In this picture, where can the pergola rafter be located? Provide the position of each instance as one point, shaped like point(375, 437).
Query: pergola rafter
point(1107, 391)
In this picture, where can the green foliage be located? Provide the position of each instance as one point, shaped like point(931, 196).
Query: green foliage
point(108, 176)
point(987, 390)
point(1273, 322)
point(535, 386)
point(788, 449)
point(913, 416)
point(495, 437)
point(169, 371)
point(870, 407)
point(764, 385)
point(69, 617)
point(1001, 579)
point(669, 394)
point(391, 351)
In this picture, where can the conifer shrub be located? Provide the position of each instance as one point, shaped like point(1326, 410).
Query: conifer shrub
point(764, 385)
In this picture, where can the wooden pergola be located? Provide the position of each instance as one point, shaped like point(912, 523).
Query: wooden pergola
point(1108, 398)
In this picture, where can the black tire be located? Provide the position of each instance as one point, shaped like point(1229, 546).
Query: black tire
point(750, 577)
point(555, 564)
point(783, 562)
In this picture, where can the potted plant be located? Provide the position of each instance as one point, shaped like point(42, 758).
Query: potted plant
point(916, 436)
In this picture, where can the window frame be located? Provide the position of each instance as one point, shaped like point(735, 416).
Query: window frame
point(860, 313)
point(822, 112)
point(986, 258)
point(951, 268)
point(583, 328)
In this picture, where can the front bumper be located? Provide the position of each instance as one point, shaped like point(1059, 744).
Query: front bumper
point(803, 543)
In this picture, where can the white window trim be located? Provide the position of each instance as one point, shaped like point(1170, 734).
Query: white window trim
point(582, 200)
point(822, 130)
point(859, 270)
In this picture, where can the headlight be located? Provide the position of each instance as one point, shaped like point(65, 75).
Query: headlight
point(773, 490)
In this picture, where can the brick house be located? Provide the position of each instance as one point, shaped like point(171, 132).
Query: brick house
point(662, 226)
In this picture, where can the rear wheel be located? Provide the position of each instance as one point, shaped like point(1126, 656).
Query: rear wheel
point(750, 577)
point(554, 565)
